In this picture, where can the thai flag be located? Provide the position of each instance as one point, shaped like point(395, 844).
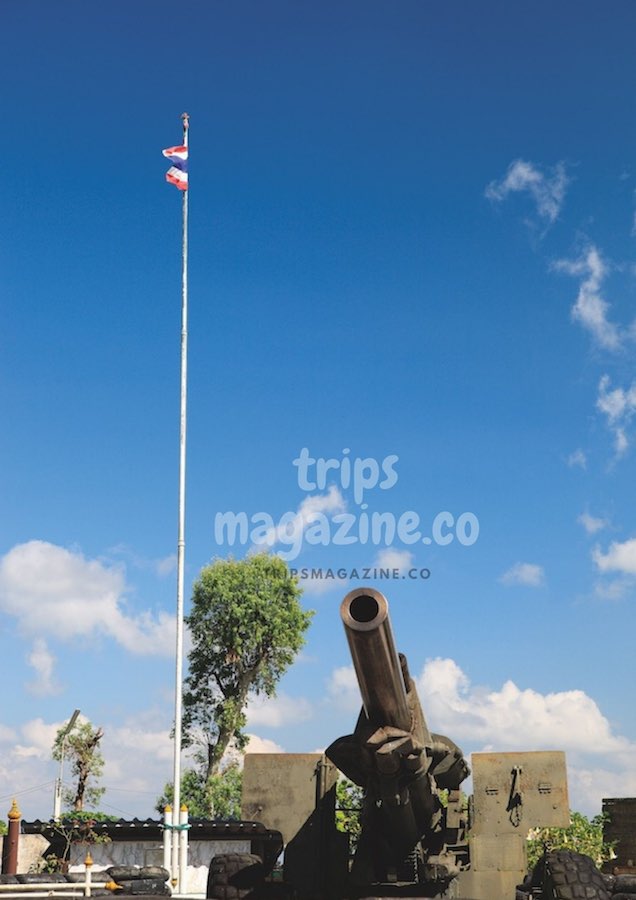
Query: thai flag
point(177, 174)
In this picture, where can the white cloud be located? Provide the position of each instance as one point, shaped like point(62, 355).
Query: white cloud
point(277, 711)
point(590, 309)
point(36, 738)
point(513, 718)
point(547, 190)
point(7, 735)
point(577, 458)
point(343, 690)
point(161, 566)
point(621, 442)
point(43, 661)
point(528, 574)
point(256, 744)
point(394, 559)
point(621, 557)
point(166, 566)
point(613, 590)
point(591, 523)
point(57, 592)
point(319, 585)
point(314, 510)
point(618, 405)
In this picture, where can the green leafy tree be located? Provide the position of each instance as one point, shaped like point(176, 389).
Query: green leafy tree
point(246, 626)
point(80, 747)
point(220, 797)
point(193, 795)
point(3, 827)
point(349, 798)
point(224, 790)
point(582, 835)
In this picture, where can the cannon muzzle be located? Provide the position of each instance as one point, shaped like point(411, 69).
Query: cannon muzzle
point(365, 614)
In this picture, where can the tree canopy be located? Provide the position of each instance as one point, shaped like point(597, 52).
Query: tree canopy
point(80, 747)
point(246, 626)
point(582, 835)
point(219, 797)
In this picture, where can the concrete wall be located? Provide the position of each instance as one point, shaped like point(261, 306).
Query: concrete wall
point(30, 850)
point(131, 853)
point(150, 853)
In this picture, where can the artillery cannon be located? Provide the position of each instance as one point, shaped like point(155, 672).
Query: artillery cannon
point(413, 837)
point(411, 833)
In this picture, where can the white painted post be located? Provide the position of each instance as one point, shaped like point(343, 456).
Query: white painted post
point(167, 837)
point(88, 865)
point(183, 849)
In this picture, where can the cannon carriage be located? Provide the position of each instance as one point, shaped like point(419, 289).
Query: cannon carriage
point(415, 839)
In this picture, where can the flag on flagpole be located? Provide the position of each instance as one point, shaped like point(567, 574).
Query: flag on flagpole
point(177, 174)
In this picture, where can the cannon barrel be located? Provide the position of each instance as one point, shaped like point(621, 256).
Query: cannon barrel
point(365, 614)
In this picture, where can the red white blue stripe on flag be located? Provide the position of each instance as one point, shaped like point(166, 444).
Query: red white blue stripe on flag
point(177, 174)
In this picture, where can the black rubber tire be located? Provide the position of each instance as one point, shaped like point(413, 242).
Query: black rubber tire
point(155, 872)
point(99, 877)
point(234, 876)
point(570, 876)
point(625, 884)
point(41, 878)
point(135, 873)
point(123, 873)
point(610, 881)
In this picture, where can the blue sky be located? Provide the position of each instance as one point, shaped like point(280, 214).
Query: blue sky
point(412, 234)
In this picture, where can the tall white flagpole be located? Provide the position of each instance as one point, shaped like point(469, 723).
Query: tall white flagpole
point(176, 874)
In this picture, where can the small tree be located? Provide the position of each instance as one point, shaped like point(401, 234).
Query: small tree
point(247, 626)
point(81, 748)
point(73, 830)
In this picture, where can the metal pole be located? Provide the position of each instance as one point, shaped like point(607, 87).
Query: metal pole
point(176, 802)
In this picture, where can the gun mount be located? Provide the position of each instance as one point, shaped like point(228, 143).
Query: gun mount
point(411, 833)
point(413, 840)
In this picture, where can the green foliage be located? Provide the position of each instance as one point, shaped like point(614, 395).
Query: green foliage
point(89, 817)
point(443, 799)
point(193, 794)
point(3, 827)
point(225, 792)
point(75, 829)
point(582, 835)
point(219, 798)
point(81, 748)
point(246, 625)
point(349, 798)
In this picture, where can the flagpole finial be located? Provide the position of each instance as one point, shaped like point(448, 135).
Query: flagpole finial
point(186, 119)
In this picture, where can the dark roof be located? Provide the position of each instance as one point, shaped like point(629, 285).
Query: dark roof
point(152, 829)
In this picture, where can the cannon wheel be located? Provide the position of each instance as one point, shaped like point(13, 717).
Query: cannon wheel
point(565, 875)
point(234, 876)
